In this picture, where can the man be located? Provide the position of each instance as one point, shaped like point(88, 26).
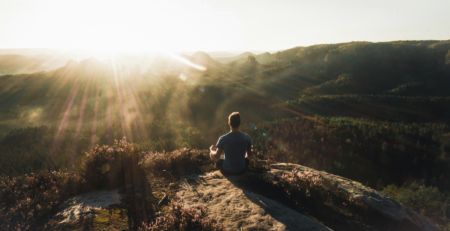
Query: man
point(235, 144)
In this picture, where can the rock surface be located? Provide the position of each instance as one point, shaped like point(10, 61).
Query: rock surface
point(238, 209)
point(88, 203)
point(372, 198)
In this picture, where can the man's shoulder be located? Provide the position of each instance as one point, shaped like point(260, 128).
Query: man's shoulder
point(230, 134)
point(224, 135)
point(246, 136)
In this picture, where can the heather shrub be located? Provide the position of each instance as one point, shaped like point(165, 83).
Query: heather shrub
point(26, 199)
point(308, 187)
point(106, 167)
point(257, 164)
point(179, 161)
point(181, 218)
point(280, 155)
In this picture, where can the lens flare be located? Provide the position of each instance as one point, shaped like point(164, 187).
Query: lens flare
point(105, 168)
point(182, 77)
point(185, 61)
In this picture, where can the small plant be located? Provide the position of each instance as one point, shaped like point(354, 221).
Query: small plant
point(105, 167)
point(25, 199)
point(182, 160)
point(280, 155)
point(428, 201)
point(257, 164)
point(181, 218)
point(309, 187)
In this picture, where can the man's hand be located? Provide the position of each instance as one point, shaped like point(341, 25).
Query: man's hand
point(212, 149)
point(215, 154)
point(249, 154)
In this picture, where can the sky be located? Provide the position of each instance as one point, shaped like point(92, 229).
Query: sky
point(213, 25)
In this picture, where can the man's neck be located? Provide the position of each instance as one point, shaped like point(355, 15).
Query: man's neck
point(234, 129)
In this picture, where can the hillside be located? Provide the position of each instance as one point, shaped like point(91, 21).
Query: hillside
point(29, 60)
point(228, 60)
point(239, 59)
point(16, 64)
point(349, 109)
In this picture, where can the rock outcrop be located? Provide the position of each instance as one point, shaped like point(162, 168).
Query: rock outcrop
point(228, 199)
point(239, 209)
point(378, 201)
point(86, 204)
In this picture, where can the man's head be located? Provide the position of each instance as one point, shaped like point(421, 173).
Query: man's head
point(234, 120)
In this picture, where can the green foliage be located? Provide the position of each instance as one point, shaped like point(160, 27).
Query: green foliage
point(428, 201)
point(32, 149)
point(375, 107)
point(358, 148)
point(408, 89)
point(447, 58)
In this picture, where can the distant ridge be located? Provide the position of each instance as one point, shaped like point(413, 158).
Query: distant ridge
point(239, 59)
point(17, 64)
point(228, 60)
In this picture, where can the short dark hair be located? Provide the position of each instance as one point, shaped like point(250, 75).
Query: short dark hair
point(234, 119)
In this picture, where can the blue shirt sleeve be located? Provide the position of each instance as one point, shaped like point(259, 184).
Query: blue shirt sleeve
point(249, 142)
point(220, 143)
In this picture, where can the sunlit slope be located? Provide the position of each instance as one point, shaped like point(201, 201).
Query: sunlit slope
point(239, 59)
point(401, 81)
point(127, 89)
point(16, 64)
point(371, 68)
point(127, 93)
point(234, 58)
point(376, 107)
point(165, 102)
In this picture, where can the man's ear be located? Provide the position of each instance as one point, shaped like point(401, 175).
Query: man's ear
point(229, 124)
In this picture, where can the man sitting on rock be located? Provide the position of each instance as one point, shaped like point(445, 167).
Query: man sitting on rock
point(235, 144)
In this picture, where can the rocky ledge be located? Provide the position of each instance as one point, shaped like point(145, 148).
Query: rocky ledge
point(228, 199)
point(390, 208)
point(240, 209)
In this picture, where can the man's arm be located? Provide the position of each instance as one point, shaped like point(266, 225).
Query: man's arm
point(215, 154)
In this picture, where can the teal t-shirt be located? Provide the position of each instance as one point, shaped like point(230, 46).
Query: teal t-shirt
point(234, 145)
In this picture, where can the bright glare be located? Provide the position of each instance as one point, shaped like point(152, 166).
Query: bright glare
point(121, 26)
point(213, 25)
point(185, 61)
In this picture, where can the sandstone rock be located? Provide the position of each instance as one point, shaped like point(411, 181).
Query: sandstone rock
point(374, 199)
point(87, 203)
point(238, 209)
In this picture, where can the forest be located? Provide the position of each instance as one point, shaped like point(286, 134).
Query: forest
point(376, 113)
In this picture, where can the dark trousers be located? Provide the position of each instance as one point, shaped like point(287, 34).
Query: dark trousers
point(219, 165)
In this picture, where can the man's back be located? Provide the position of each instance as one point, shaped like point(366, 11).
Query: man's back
point(235, 145)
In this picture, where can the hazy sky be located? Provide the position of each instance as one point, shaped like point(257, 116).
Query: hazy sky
point(212, 25)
